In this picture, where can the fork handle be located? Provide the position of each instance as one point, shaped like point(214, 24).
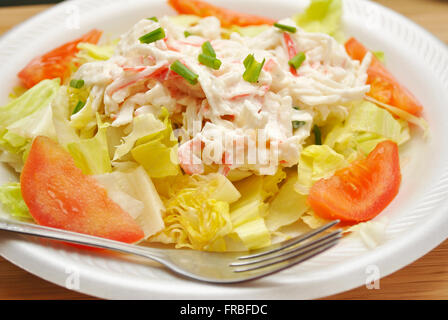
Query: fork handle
point(79, 238)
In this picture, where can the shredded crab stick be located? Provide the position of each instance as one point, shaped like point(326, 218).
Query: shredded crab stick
point(383, 85)
point(59, 195)
point(226, 16)
point(56, 63)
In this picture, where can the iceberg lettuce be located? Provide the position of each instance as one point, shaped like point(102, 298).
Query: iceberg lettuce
point(142, 126)
point(135, 193)
point(366, 126)
point(92, 155)
point(26, 117)
point(194, 218)
point(12, 201)
point(287, 206)
point(317, 162)
point(322, 16)
point(157, 152)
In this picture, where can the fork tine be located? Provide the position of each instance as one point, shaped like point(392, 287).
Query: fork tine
point(326, 238)
point(292, 242)
point(291, 263)
point(296, 256)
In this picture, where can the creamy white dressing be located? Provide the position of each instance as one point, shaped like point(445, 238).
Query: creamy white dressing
point(223, 109)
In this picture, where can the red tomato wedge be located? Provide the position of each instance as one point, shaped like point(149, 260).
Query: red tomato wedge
point(56, 63)
point(361, 191)
point(226, 16)
point(383, 86)
point(59, 195)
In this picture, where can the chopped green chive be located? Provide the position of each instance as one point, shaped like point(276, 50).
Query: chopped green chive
point(286, 28)
point(187, 33)
point(153, 36)
point(78, 107)
point(77, 84)
point(184, 72)
point(153, 19)
point(208, 50)
point(209, 61)
point(297, 124)
point(317, 135)
point(297, 61)
point(208, 56)
point(253, 68)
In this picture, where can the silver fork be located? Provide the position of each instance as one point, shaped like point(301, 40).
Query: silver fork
point(214, 267)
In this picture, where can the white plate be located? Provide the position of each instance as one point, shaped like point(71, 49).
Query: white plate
point(418, 217)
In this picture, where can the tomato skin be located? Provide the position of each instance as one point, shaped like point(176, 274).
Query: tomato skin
point(59, 195)
point(361, 191)
point(383, 85)
point(227, 17)
point(55, 63)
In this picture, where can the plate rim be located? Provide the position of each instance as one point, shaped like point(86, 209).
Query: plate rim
point(392, 246)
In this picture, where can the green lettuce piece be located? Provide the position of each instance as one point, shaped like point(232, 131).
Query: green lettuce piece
point(142, 126)
point(89, 52)
point(317, 162)
point(92, 155)
point(287, 206)
point(26, 117)
point(249, 212)
point(322, 16)
point(184, 20)
point(135, 193)
point(12, 201)
point(35, 99)
point(157, 152)
point(366, 126)
point(194, 217)
point(249, 31)
point(380, 55)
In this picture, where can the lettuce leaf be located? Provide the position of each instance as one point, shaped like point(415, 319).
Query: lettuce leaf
point(366, 126)
point(249, 31)
point(26, 117)
point(136, 194)
point(12, 201)
point(287, 206)
point(249, 212)
point(322, 16)
point(194, 217)
point(92, 155)
point(157, 152)
point(317, 162)
point(142, 126)
point(89, 52)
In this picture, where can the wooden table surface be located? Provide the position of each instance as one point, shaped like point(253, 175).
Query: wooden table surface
point(427, 278)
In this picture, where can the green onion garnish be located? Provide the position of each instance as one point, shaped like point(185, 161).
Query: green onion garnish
point(297, 61)
point(208, 50)
point(296, 108)
point(253, 68)
point(153, 19)
point(77, 84)
point(209, 61)
point(154, 35)
point(208, 56)
point(184, 72)
point(187, 33)
point(297, 124)
point(317, 135)
point(286, 28)
point(78, 107)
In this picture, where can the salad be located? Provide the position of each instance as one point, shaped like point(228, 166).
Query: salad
point(211, 130)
